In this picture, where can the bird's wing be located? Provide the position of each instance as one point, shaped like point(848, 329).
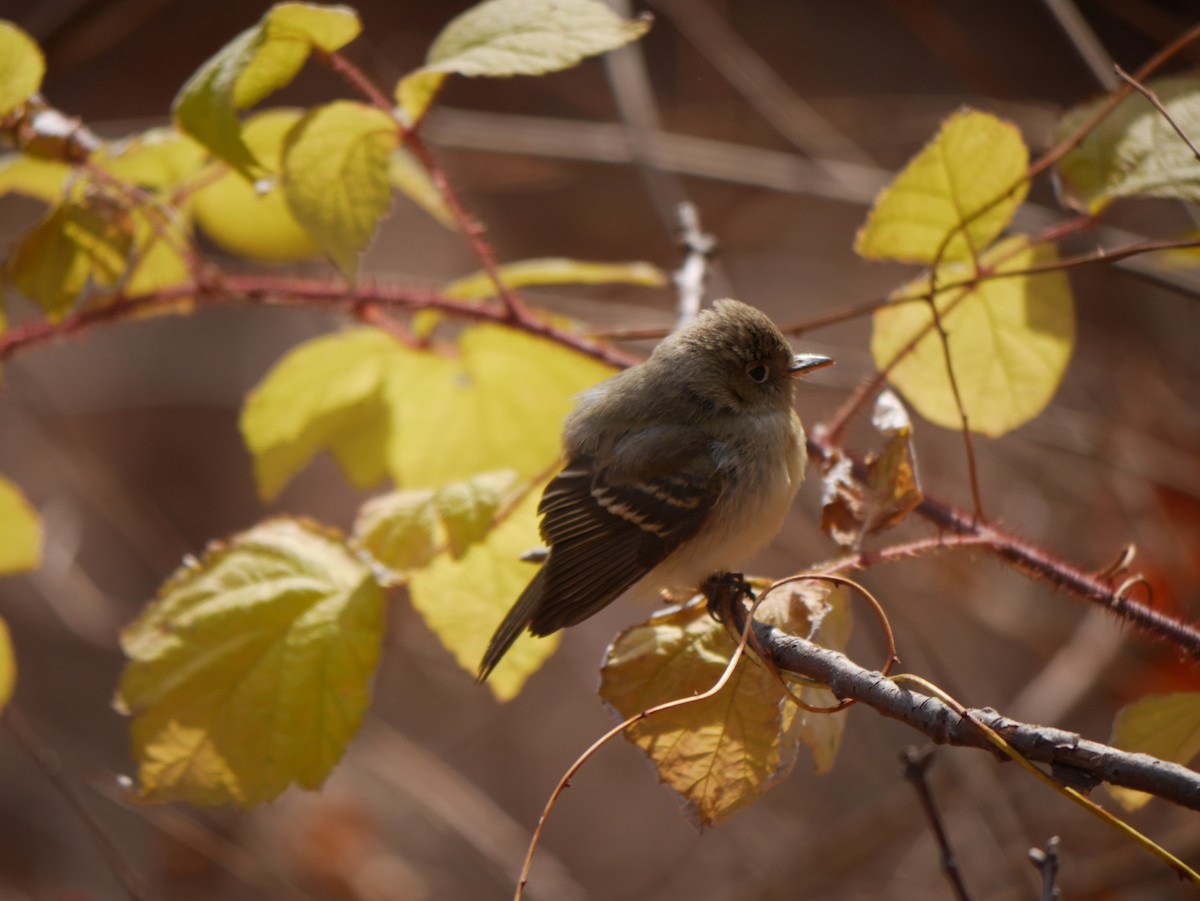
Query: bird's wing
point(606, 530)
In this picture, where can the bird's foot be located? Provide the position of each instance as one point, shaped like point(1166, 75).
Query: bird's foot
point(722, 590)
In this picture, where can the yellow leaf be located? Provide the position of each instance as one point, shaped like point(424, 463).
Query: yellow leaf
point(555, 271)
point(253, 65)
point(21, 67)
point(1134, 151)
point(383, 408)
point(1164, 726)
point(500, 38)
point(291, 32)
point(8, 666)
point(33, 177)
point(1010, 341)
point(400, 528)
point(409, 177)
point(254, 220)
point(75, 249)
point(467, 508)
point(157, 259)
point(20, 531)
point(719, 754)
point(820, 612)
point(501, 403)
point(335, 177)
point(251, 670)
point(159, 159)
point(974, 162)
point(326, 394)
point(463, 599)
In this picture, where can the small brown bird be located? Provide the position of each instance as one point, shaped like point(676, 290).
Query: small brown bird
point(677, 468)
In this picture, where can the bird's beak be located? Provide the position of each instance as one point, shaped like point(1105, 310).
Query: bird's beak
point(802, 364)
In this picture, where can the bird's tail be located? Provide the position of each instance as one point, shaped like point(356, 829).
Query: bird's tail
point(513, 625)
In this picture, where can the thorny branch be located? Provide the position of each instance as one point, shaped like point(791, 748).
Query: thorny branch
point(1068, 753)
point(1039, 563)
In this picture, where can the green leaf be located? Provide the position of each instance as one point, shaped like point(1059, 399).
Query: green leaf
point(335, 177)
point(325, 394)
point(1164, 726)
point(8, 666)
point(20, 531)
point(1010, 341)
point(975, 161)
point(30, 176)
point(254, 220)
point(252, 668)
point(1134, 151)
point(21, 67)
point(462, 599)
point(409, 177)
point(253, 65)
point(500, 38)
point(555, 271)
point(76, 249)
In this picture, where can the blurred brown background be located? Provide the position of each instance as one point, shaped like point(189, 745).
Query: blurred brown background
point(126, 440)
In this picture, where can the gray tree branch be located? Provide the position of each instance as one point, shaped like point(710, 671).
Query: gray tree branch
point(1073, 760)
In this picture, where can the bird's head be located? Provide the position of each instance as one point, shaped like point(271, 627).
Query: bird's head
point(736, 357)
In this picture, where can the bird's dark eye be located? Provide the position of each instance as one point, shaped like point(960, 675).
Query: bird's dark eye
point(758, 372)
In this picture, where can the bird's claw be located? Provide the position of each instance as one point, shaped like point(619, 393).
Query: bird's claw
point(723, 589)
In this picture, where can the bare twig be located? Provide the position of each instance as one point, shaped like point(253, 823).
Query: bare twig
point(762, 87)
point(1157, 104)
point(1085, 761)
point(1000, 744)
point(1084, 40)
point(692, 276)
point(917, 762)
point(634, 96)
point(1073, 140)
point(1047, 864)
point(44, 759)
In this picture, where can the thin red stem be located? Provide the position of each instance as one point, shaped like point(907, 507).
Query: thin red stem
point(284, 291)
point(469, 227)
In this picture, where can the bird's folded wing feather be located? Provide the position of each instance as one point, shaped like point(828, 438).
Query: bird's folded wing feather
point(607, 528)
